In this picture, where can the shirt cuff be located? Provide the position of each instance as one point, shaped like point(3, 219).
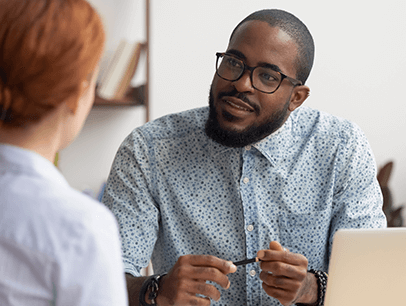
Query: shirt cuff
point(131, 269)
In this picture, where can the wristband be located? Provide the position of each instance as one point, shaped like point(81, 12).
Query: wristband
point(152, 283)
point(321, 287)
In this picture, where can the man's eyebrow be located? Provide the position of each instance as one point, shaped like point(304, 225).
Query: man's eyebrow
point(241, 55)
point(271, 66)
point(236, 53)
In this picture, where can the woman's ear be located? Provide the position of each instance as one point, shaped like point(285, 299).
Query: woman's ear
point(299, 95)
point(72, 103)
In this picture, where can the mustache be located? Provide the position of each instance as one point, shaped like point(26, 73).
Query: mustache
point(241, 96)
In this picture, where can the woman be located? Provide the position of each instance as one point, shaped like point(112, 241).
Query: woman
point(57, 246)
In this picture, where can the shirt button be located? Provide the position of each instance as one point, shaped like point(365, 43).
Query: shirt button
point(246, 180)
point(248, 147)
point(250, 227)
point(252, 272)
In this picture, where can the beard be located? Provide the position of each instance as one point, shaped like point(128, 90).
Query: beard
point(252, 134)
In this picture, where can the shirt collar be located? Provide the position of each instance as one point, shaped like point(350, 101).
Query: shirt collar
point(270, 146)
point(28, 162)
point(215, 148)
point(274, 147)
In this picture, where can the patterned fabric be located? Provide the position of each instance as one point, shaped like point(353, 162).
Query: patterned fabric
point(175, 192)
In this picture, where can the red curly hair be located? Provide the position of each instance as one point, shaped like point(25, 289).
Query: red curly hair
point(48, 48)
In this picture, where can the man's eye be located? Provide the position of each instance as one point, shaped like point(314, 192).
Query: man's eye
point(233, 62)
point(268, 77)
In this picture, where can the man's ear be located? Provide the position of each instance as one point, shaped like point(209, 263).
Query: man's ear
point(299, 95)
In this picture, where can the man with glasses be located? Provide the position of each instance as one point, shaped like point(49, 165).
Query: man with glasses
point(254, 175)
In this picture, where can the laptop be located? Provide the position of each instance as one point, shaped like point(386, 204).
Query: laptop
point(367, 267)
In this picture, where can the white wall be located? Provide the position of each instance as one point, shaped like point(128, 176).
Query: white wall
point(358, 73)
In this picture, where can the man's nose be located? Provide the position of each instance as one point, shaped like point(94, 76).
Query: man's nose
point(244, 84)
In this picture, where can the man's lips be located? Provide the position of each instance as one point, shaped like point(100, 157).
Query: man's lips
point(238, 104)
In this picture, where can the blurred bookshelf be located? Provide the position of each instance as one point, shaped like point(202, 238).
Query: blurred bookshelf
point(134, 96)
point(114, 89)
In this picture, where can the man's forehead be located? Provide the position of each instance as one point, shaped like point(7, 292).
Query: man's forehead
point(260, 42)
point(283, 36)
point(243, 32)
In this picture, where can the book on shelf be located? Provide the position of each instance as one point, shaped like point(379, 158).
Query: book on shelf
point(120, 70)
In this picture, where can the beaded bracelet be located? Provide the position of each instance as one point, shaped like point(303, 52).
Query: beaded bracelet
point(321, 287)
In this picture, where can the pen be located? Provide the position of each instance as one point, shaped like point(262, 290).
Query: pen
point(246, 261)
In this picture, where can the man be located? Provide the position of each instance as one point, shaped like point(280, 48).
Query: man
point(253, 175)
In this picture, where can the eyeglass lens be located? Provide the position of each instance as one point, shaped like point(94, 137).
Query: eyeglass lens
point(263, 78)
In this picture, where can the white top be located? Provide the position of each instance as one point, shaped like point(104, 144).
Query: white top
point(57, 246)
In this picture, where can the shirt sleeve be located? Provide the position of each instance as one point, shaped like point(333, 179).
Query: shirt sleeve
point(129, 195)
point(357, 201)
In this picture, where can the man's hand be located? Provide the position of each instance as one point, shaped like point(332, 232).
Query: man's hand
point(284, 275)
point(188, 278)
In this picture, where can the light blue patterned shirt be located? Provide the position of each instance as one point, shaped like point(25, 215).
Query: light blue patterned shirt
point(174, 192)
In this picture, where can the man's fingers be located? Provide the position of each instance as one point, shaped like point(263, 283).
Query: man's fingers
point(282, 295)
point(211, 274)
point(282, 256)
point(282, 288)
point(278, 268)
point(283, 272)
point(224, 266)
point(186, 283)
point(280, 282)
point(207, 290)
point(276, 246)
point(205, 268)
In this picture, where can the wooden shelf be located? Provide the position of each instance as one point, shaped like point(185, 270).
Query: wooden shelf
point(135, 96)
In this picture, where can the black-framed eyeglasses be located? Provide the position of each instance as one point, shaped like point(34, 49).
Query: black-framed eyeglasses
point(263, 79)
